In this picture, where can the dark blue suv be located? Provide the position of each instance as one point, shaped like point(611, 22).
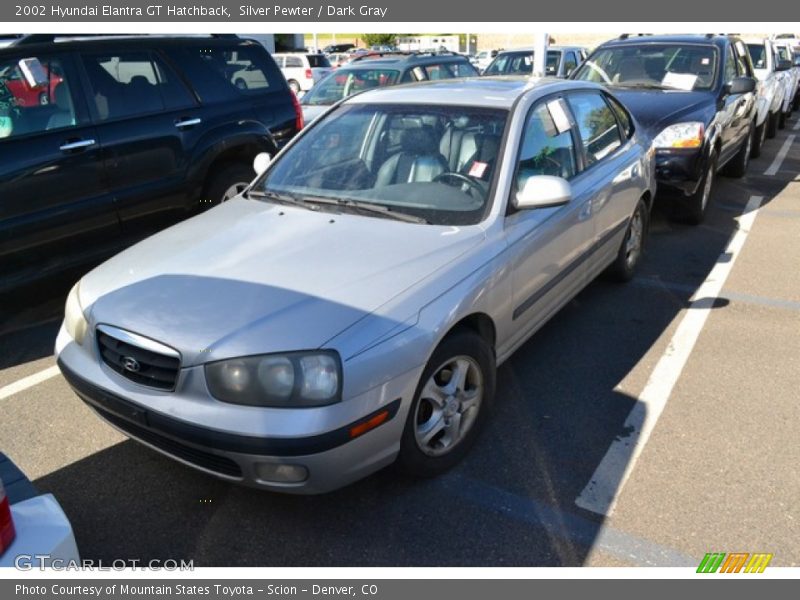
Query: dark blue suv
point(695, 97)
point(105, 140)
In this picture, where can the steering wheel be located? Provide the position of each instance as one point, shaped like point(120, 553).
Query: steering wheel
point(459, 177)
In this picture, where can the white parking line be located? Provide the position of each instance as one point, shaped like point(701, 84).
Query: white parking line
point(602, 492)
point(28, 382)
point(780, 156)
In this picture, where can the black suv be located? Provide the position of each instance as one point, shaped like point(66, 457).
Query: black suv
point(105, 140)
point(694, 95)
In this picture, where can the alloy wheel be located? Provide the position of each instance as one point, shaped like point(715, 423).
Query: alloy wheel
point(448, 405)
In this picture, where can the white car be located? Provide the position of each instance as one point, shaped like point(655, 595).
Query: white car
point(33, 527)
point(790, 52)
point(302, 71)
point(483, 59)
point(771, 90)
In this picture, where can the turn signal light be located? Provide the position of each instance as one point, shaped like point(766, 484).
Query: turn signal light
point(369, 424)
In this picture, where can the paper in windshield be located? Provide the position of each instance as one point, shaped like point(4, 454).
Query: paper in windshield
point(679, 81)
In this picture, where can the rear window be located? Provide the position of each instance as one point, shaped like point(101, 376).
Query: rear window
point(318, 61)
point(221, 72)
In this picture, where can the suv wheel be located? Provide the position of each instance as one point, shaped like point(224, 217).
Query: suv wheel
point(630, 252)
point(737, 167)
point(782, 120)
point(294, 86)
point(697, 204)
point(450, 405)
point(227, 182)
point(240, 83)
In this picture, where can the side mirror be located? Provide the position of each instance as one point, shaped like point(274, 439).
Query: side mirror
point(543, 191)
point(741, 85)
point(261, 162)
point(783, 65)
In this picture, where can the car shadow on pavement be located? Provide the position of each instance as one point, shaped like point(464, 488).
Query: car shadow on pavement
point(510, 502)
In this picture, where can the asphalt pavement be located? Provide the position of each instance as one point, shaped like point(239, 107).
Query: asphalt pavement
point(644, 425)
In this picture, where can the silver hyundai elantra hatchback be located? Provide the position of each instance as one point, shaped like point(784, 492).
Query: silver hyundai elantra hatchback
point(350, 308)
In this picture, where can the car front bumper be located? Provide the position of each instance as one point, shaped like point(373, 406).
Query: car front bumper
point(327, 450)
point(680, 170)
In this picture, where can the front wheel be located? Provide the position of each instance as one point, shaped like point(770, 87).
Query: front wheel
point(630, 252)
point(226, 183)
point(737, 167)
point(772, 125)
point(450, 406)
point(782, 120)
point(696, 205)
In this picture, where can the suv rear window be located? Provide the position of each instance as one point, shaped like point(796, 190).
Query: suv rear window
point(318, 60)
point(222, 69)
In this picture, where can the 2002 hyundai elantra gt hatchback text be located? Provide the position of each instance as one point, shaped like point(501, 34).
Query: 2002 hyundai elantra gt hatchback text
point(350, 309)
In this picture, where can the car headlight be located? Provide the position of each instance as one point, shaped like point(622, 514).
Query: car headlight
point(681, 135)
point(74, 320)
point(289, 380)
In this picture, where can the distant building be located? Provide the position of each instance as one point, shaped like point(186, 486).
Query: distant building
point(417, 43)
point(278, 42)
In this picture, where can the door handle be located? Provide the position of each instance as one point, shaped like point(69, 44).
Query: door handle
point(180, 124)
point(76, 145)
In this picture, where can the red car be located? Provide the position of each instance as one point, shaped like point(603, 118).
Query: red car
point(26, 95)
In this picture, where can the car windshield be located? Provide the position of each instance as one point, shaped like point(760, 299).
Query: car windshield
point(345, 82)
point(758, 55)
point(521, 63)
point(672, 66)
point(431, 163)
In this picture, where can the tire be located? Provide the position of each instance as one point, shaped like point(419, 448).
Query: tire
point(782, 120)
point(797, 101)
point(240, 84)
point(224, 181)
point(421, 457)
point(759, 139)
point(630, 251)
point(696, 205)
point(294, 86)
point(772, 125)
point(737, 167)
point(44, 99)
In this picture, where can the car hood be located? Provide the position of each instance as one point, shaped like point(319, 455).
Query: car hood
point(656, 109)
point(252, 277)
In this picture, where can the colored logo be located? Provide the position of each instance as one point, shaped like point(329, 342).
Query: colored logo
point(735, 562)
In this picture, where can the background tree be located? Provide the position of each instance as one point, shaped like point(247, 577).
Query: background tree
point(379, 39)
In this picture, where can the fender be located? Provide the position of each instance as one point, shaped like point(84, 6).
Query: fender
point(219, 140)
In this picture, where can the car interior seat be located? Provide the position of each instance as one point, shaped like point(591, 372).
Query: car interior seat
point(418, 159)
point(64, 116)
point(630, 69)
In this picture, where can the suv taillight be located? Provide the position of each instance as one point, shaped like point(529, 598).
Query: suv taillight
point(298, 113)
point(7, 532)
point(309, 74)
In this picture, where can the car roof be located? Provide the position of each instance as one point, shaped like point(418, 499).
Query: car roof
point(531, 49)
point(683, 38)
point(41, 42)
point(403, 60)
point(489, 92)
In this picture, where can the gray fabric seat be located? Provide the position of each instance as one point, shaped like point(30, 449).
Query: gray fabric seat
point(64, 115)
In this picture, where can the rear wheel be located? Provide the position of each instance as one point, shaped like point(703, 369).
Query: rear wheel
point(630, 252)
point(294, 86)
point(450, 406)
point(240, 83)
point(782, 120)
point(772, 125)
point(227, 182)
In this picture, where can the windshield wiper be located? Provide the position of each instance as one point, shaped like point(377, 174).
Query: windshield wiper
point(282, 197)
point(649, 86)
point(368, 207)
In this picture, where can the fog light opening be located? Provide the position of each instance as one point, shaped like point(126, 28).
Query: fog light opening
point(278, 473)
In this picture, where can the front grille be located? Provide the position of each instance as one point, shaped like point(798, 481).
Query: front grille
point(151, 368)
point(206, 460)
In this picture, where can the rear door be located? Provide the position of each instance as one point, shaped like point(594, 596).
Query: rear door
point(609, 175)
point(55, 208)
point(146, 120)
